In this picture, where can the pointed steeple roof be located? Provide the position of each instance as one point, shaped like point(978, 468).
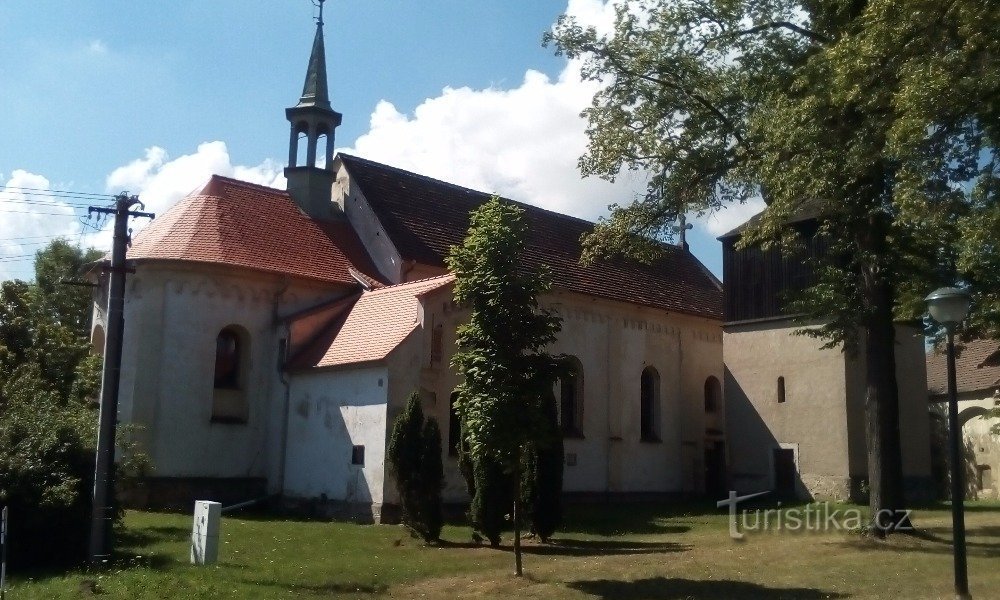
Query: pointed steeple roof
point(315, 91)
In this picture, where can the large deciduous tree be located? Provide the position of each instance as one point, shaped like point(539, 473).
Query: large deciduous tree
point(881, 116)
point(500, 350)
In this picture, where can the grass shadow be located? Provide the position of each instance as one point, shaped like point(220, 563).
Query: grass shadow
point(662, 588)
point(574, 547)
point(321, 589)
point(641, 518)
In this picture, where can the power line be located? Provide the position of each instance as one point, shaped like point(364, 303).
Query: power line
point(67, 192)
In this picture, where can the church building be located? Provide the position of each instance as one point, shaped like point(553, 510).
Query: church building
point(272, 337)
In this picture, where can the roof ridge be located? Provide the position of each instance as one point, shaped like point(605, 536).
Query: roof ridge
point(406, 283)
point(464, 188)
point(242, 183)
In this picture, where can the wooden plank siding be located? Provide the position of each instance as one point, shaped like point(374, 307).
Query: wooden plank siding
point(757, 283)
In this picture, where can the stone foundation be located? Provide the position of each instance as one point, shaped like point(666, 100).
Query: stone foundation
point(180, 493)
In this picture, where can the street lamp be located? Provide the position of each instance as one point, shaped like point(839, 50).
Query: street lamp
point(949, 307)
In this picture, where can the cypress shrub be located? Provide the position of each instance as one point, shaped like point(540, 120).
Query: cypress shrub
point(548, 481)
point(404, 455)
point(414, 457)
point(542, 474)
point(431, 481)
point(491, 500)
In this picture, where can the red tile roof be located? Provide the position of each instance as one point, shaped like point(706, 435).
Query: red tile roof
point(369, 330)
point(424, 217)
point(231, 222)
point(977, 367)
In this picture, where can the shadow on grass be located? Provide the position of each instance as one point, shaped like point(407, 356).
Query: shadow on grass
point(573, 547)
point(320, 589)
point(938, 542)
point(145, 536)
point(662, 588)
point(640, 518)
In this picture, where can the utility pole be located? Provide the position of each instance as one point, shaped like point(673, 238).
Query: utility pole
point(103, 508)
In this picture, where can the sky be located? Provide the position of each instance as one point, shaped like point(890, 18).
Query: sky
point(103, 96)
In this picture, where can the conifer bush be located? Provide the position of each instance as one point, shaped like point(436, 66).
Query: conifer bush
point(415, 463)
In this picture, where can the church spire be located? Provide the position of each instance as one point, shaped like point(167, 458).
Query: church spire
point(314, 121)
point(315, 91)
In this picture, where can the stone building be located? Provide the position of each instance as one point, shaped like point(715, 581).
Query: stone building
point(977, 373)
point(797, 411)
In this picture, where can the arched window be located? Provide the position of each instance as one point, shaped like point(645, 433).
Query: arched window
point(232, 353)
point(227, 359)
point(571, 399)
point(649, 405)
point(454, 426)
point(713, 395)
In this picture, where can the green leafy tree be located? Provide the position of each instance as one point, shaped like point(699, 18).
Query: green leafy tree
point(879, 116)
point(500, 353)
point(414, 455)
point(48, 381)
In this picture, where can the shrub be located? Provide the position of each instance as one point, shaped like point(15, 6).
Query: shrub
point(46, 471)
point(415, 463)
point(542, 475)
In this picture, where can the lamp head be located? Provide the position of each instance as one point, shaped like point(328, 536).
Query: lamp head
point(948, 306)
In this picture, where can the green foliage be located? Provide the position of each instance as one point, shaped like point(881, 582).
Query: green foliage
point(48, 382)
point(542, 475)
point(491, 503)
point(500, 359)
point(882, 116)
point(414, 457)
point(502, 365)
point(432, 480)
point(46, 469)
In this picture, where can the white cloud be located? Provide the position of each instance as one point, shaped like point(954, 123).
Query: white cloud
point(30, 218)
point(97, 47)
point(160, 181)
point(522, 143)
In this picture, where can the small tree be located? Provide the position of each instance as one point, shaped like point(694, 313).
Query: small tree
point(499, 349)
point(415, 463)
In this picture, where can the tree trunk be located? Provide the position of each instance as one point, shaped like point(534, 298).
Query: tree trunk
point(517, 517)
point(885, 473)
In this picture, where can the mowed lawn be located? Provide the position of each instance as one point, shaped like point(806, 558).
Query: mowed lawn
point(625, 551)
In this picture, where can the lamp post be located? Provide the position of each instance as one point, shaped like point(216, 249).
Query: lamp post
point(949, 307)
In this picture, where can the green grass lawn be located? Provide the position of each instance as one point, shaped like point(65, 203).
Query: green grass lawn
point(637, 552)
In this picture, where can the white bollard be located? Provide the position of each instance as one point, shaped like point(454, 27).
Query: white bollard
point(205, 533)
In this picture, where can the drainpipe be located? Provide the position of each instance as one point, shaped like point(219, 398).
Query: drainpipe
point(285, 383)
point(609, 403)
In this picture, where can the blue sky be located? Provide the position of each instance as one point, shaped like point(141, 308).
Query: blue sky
point(154, 97)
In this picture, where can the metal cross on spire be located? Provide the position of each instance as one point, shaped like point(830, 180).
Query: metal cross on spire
point(319, 5)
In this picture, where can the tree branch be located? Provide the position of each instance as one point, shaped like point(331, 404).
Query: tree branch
point(807, 33)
